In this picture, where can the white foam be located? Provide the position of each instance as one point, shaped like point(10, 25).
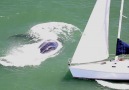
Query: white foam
point(29, 54)
point(45, 30)
point(113, 85)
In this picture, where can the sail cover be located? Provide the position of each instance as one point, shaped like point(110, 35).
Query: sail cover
point(122, 47)
point(93, 45)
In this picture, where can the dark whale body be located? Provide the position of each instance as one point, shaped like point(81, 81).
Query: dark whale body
point(48, 46)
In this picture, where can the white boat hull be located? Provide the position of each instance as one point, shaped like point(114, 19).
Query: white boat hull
point(103, 70)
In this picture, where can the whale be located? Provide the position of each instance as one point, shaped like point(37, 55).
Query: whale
point(48, 46)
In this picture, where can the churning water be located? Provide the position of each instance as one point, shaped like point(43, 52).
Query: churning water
point(29, 54)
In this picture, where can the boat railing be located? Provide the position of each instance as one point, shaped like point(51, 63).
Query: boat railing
point(110, 58)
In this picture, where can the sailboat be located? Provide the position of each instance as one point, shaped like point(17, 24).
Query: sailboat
point(90, 59)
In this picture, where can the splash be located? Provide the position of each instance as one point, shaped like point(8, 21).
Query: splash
point(29, 54)
point(114, 85)
point(57, 30)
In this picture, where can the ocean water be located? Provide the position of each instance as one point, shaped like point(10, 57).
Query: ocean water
point(25, 24)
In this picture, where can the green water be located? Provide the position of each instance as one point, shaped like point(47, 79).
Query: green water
point(18, 16)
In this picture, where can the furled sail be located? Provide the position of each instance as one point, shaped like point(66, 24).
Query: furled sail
point(93, 45)
point(122, 47)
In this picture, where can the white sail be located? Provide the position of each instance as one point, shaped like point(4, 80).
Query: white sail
point(93, 45)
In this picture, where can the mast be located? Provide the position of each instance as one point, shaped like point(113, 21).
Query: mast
point(120, 23)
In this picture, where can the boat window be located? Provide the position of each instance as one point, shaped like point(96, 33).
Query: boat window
point(113, 66)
